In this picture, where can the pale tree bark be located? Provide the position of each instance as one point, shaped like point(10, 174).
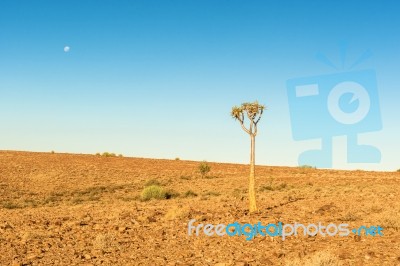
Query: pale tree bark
point(252, 192)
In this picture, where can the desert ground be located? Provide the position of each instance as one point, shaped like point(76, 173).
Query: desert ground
point(69, 209)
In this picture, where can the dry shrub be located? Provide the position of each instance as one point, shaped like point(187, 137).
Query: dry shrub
point(177, 213)
point(189, 194)
point(152, 192)
point(204, 168)
point(104, 242)
point(157, 192)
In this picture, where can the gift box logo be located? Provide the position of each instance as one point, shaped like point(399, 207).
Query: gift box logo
point(325, 106)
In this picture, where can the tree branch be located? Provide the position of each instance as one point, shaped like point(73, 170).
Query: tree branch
point(244, 128)
point(261, 112)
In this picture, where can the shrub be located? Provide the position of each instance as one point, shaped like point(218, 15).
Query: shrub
point(177, 159)
point(308, 166)
point(157, 192)
point(204, 168)
point(152, 192)
point(349, 217)
point(189, 194)
point(108, 154)
point(212, 193)
point(266, 188)
point(281, 186)
point(10, 205)
point(210, 176)
point(120, 155)
point(177, 213)
point(398, 170)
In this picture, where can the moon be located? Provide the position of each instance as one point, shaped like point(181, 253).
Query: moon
point(66, 49)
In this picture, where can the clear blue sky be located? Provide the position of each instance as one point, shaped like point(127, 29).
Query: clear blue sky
point(158, 78)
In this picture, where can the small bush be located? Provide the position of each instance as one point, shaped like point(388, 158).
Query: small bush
point(189, 194)
point(120, 155)
point(177, 159)
point(398, 170)
point(305, 166)
point(204, 168)
point(108, 154)
point(10, 205)
point(185, 177)
point(157, 192)
point(152, 182)
point(52, 152)
point(349, 217)
point(77, 201)
point(152, 192)
point(177, 213)
point(266, 188)
point(104, 242)
point(281, 186)
point(210, 177)
point(212, 193)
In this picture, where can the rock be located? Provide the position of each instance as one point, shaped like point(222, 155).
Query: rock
point(83, 223)
point(97, 227)
point(15, 263)
point(31, 257)
point(151, 219)
point(87, 218)
point(6, 226)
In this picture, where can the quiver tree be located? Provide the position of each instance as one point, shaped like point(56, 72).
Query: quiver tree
point(253, 111)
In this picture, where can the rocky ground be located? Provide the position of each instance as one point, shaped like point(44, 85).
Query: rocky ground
point(64, 209)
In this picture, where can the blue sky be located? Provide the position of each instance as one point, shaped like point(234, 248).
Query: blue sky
point(158, 78)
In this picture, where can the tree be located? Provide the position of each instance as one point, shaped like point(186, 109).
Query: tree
point(204, 168)
point(253, 112)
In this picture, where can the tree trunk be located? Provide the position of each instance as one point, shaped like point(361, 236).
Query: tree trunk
point(252, 193)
